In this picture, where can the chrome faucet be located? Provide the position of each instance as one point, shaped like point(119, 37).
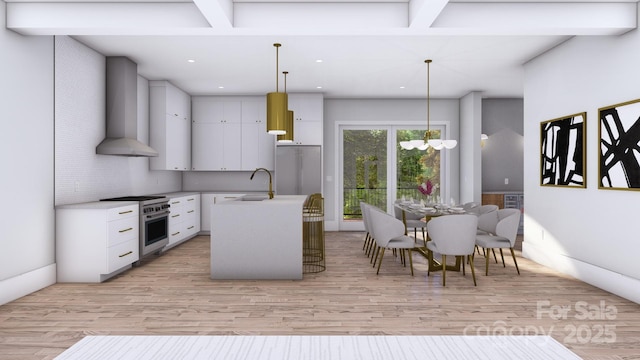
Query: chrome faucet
point(270, 181)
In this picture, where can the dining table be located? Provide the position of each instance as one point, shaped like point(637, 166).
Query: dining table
point(428, 211)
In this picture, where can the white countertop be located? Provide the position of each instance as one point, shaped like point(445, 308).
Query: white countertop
point(99, 205)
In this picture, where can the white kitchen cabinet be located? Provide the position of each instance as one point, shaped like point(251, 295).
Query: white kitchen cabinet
point(207, 200)
point(170, 126)
point(229, 134)
point(97, 240)
point(216, 146)
point(258, 146)
point(307, 119)
point(184, 217)
point(211, 109)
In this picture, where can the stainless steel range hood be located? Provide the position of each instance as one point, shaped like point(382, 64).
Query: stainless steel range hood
point(122, 110)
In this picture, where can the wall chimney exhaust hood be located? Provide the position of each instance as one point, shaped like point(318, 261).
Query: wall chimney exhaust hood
point(122, 110)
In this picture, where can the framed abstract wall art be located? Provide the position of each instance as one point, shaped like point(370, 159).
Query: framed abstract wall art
point(562, 151)
point(619, 155)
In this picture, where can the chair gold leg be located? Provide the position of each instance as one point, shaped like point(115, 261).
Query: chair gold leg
point(462, 260)
point(486, 265)
point(380, 263)
point(411, 262)
point(374, 256)
point(473, 271)
point(502, 256)
point(366, 240)
point(444, 269)
point(513, 254)
point(429, 261)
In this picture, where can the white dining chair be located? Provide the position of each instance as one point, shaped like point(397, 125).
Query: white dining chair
point(389, 233)
point(412, 221)
point(453, 235)
point(369, 243)
point(502, 235)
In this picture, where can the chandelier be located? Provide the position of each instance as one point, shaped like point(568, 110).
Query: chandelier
point(427, 141)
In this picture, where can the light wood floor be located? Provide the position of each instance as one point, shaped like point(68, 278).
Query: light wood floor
point(173, 295)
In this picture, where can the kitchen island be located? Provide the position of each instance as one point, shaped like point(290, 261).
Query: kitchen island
point(254, 237)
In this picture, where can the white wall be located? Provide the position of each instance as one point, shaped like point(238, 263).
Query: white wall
point(588, 233)
point(26, 157)
point(81, 175)
point(387, 111)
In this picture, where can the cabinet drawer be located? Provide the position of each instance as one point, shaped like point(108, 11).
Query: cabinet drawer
point(176, 233)
point(122, 230)
point(190, 203)
point(122, 212)
point(176, 202)
point(176, 217)
point(122, 255)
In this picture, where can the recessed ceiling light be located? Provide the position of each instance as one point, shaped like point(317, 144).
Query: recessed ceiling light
point(220, 87)
point(318, 87)
point(401, 87)
point(191, 61)
point(319, 60)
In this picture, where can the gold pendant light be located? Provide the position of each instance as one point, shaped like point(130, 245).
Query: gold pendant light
point(288, 137)
point(277, 106)
point(427, 141)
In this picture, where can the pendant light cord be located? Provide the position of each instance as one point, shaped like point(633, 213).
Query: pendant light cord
point(277, 45)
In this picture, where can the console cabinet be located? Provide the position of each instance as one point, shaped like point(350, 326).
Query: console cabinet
point(97, 240)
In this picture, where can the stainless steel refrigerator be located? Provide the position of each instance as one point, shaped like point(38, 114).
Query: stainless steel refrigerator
point(298, 169)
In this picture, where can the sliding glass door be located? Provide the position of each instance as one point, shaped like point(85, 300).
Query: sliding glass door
point(374, 169)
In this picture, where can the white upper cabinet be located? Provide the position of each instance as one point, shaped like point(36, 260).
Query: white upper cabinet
point(209, 109)
point(257, 145)
point(307, 119)
point(170, 126)
point(216, 147)
point(229, 134)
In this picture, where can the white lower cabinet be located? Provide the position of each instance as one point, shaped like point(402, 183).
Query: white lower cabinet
point(97, 240)
point(209, 199)
point(184, 218)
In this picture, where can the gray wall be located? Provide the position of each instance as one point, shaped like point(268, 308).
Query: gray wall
point(26, 157)
point(503, 152)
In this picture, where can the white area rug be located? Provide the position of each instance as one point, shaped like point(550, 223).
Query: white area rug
point(317, 348)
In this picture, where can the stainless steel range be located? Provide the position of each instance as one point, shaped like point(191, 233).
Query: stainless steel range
point(154, 222)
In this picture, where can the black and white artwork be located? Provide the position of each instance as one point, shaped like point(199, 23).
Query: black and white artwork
point(562, 144)
point(619, 157)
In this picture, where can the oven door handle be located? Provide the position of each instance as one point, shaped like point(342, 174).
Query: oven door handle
point(155, 216)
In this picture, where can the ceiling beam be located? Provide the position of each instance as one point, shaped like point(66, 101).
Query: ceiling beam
point(224, 17)
point(219, 13)
point(123, 18)
point(422, 13)
point(552, 18)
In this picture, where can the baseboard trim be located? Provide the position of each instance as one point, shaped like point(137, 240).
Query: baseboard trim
point(613, 282)
point(27, 283)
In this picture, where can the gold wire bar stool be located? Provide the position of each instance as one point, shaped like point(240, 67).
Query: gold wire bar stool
point(313, 235)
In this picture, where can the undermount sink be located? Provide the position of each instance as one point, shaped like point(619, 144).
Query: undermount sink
point(254, 197)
